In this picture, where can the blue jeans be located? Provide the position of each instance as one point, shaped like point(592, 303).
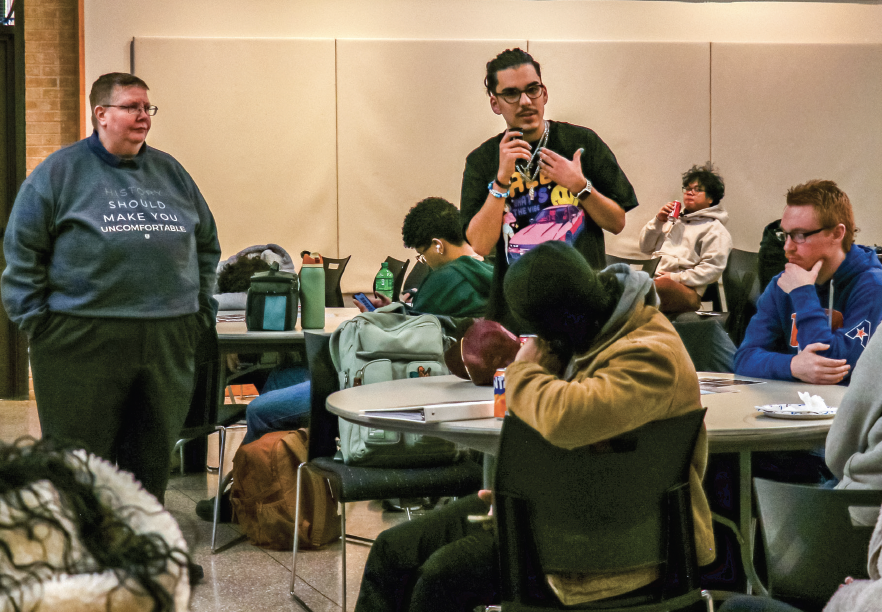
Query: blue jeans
point(283, 404)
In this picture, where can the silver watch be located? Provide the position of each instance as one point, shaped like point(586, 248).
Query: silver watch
point(585, 192)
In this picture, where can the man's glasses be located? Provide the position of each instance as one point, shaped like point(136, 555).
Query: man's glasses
point(134, 110)
point(420, 257)
point(693, 189)
point(513, 96)
point(797, 237)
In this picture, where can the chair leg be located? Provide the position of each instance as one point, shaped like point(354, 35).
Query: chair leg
point(296, 529)
point(222, 439)
point(708, 600)
point(343, 538)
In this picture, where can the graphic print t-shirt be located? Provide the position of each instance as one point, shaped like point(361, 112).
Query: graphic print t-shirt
point(550, 213)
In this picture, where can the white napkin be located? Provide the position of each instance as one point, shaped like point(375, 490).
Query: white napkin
point(814, 403)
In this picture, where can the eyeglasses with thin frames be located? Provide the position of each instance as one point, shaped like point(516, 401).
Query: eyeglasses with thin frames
point(513, 96)
point(420, 257)
point(797, 237)
point(134, 110)
point(693, 189)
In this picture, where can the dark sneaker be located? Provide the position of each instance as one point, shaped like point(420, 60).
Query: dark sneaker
point(196, 573)
point(205, 509)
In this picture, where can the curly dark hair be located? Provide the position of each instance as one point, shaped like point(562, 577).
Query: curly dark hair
point(236, 275)
point(432, 218)
point(510, 58)
point(709, 179)
point(137, 559)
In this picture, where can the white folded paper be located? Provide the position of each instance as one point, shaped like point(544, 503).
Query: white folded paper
point(812, 402)
point(433, 413)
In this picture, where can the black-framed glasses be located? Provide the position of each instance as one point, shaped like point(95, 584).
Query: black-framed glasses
point(134, 110)
point(797, 237)
point(513, 96)
point(420, 257)
point(693, 189)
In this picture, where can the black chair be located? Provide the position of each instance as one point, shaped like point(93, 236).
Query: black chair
point(622, 504)
point(334, 269)
point(352, 484)
point(417, 274)
point(399, 270)
point(810, 541)
point(742, 287)
point(646, 265)
point(208, 415)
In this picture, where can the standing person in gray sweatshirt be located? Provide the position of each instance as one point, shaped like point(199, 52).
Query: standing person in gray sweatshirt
point(854, 444)
point(111, 254)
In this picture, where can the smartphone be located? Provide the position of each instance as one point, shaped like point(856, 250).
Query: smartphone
point(362, 298)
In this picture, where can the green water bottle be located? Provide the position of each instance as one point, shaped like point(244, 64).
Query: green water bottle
point(312, 292)
point(384, 282)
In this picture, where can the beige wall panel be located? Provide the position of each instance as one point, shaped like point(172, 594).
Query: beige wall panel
point(409, 112)
point(255, 129)
point(649, 102)
point(784, 114)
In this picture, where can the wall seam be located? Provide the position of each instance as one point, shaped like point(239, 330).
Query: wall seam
point(337, 147)
point(710, 100)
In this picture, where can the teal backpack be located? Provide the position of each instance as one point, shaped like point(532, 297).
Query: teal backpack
point(387, 345)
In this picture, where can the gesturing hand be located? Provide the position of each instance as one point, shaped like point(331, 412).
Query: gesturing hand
point(511, 148)
point(816, 369)
point(563, 171)
point(796, 276)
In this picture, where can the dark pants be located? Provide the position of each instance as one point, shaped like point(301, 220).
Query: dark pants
point(120, 388)
point(439, 561)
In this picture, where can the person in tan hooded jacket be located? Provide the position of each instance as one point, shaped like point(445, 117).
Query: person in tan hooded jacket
point(606, 361)
point(621, 366)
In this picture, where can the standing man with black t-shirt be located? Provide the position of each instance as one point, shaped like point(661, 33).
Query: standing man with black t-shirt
point(536, 164)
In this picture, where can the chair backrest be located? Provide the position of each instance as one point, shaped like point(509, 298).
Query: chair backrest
point(742, 286)
point(334, 269)
point(206, 397)
point(398, 270)
point(810, 541)
point(323, 428)
point(598, 508)
point(416, 276)
point(646, 265)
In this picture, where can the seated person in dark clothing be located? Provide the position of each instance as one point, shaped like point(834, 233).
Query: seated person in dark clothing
point(459, 283)
point(605, 362)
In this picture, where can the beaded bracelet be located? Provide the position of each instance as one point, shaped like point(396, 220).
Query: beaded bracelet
point(494, 193)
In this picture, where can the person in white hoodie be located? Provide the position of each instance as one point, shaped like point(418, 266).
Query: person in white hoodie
point(694, 247)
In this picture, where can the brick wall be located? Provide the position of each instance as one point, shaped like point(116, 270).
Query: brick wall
point(52, 73)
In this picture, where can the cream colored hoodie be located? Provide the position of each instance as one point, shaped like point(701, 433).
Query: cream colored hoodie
point(694, 249)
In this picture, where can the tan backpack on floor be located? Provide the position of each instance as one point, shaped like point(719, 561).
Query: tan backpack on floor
point(263, 494)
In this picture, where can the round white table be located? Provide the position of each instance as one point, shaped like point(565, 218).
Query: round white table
point(733, 426)
point(732, 421)
point(234, 337)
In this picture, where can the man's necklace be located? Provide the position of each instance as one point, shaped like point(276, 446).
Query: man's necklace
point(525, 173)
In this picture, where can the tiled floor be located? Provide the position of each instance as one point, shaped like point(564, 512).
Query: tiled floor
point(242, 577)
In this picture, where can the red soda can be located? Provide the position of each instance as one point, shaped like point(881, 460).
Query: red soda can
point(524, 337)
point(675, 214)
point(499, 393)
